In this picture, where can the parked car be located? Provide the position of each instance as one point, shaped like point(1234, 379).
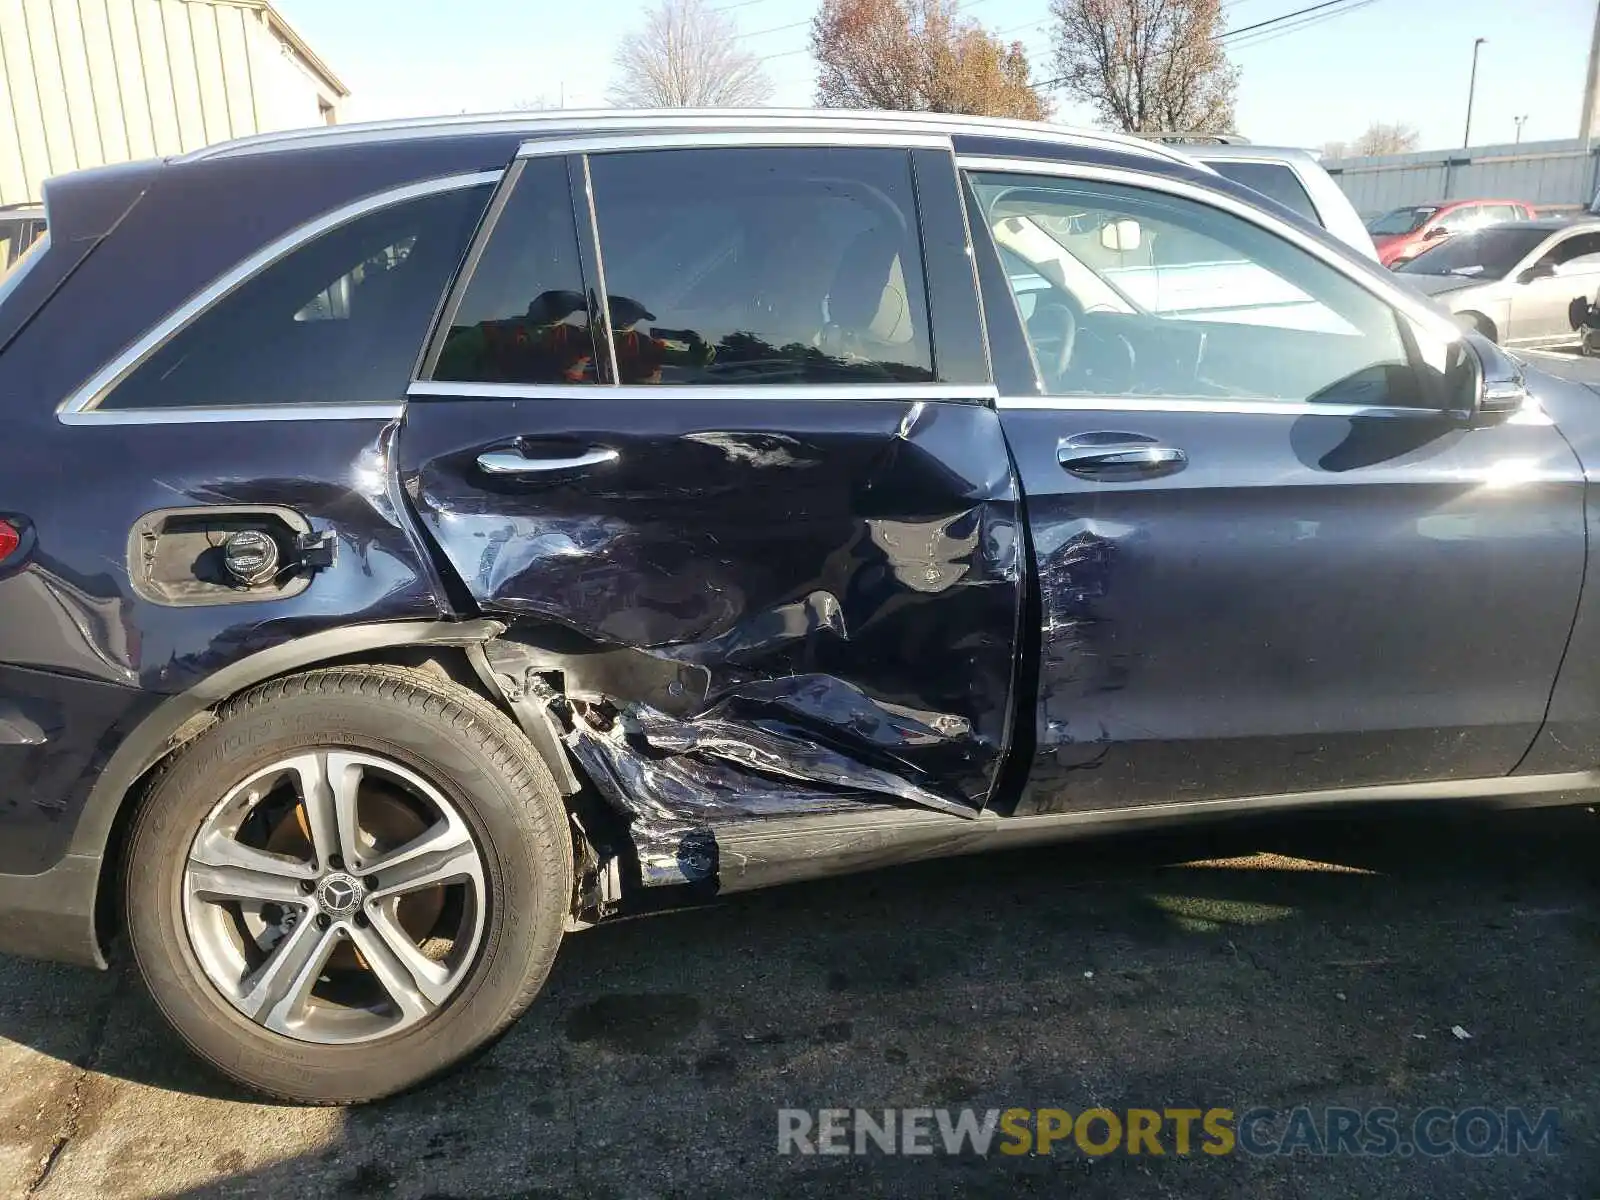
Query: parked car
point(1403, 233)
point(1295, 179)
point(1514, 283)
point(487, 528)
point(20, 226)
point(1292, 177)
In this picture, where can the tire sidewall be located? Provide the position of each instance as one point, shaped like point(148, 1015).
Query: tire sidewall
point(527, 884)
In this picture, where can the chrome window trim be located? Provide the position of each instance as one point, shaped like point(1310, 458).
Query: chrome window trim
point(83, 403)
point(1255, 408)
point(705, 391)
point(381, 411)
point(728, 139)
point(596, 120)
point(1416, 308)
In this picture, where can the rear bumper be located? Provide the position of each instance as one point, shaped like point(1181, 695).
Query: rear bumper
point(51, 915)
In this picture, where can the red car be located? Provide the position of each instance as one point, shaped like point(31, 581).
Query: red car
point(1403, 233)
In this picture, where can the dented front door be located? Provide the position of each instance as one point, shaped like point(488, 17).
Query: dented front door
point(766, 543)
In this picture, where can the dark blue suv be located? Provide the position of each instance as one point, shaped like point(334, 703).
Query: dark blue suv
point(420, 541)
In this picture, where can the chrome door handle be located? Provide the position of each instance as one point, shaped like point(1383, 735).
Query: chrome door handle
point(509, 462)
point(1126, 460)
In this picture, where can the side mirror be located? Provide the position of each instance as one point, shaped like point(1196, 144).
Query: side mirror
point(1438, 231)
point(1537, 271)
point(1490, 381)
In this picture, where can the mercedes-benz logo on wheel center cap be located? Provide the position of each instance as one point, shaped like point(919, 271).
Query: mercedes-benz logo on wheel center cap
point(339, 895)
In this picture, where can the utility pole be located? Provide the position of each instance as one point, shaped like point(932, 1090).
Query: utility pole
point(1472, 87)
point(1519, 121)
point(1589, 121)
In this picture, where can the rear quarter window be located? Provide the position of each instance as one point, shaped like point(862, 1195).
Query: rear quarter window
point(337, 320)
point(1276, 180)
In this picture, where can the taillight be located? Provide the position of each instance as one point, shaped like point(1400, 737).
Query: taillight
point(10, 539)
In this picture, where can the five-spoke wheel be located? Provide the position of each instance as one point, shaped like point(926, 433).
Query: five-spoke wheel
point(356, 878)
point(335, 896)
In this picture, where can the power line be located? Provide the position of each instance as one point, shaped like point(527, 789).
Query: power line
point(1268, 35)
point(808, 21)
point(1233, 33)
point(774, 29)
point(1254, 35)
point(1265, 31)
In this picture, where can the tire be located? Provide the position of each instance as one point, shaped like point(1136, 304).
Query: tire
point(1478, 323)
point(398, 725)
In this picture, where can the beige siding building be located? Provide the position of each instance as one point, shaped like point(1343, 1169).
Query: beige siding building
point(87, 82)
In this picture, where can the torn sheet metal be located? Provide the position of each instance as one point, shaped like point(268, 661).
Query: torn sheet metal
point(789, 605)
point(678, 780)
point(675, 798)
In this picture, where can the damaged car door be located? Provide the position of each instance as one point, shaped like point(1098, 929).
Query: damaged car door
point(686, 428)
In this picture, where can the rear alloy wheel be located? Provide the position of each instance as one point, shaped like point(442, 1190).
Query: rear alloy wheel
point(355, 879)
point(315, 897)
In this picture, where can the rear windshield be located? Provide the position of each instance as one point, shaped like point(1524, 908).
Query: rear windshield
point(1277, 180)
point(1400, 220)
point(1485, 254)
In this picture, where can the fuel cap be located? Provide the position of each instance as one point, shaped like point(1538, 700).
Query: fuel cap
point(250, 556)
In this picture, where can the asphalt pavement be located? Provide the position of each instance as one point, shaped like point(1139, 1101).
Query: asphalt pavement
point(1320, 961)
point(1566, 363)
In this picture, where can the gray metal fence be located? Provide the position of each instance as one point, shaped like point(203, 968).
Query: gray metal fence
point(1562, 173)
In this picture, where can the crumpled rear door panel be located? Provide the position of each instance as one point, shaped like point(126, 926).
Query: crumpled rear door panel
point(757, 606)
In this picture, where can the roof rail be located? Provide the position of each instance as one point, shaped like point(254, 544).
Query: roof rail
point(1180, 138)
point(599, 120)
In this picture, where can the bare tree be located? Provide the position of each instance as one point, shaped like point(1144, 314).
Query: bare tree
point(687, 56)
point(1146, 65)
point(918, 55)
point(1335, 149)
point(1379, 138)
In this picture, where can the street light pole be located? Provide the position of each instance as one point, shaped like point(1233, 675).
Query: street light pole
point(1472, 87)
point(1519, 121)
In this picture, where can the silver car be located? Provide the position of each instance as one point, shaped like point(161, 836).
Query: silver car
point(1514, 282)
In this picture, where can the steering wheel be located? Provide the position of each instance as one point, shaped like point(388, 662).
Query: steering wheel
point(1053, 329)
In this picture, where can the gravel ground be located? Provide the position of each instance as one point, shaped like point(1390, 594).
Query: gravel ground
point(1315, 961)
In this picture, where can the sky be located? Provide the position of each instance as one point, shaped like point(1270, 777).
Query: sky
point(1383, 60)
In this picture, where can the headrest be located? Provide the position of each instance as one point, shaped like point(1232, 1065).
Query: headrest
point(868, 296)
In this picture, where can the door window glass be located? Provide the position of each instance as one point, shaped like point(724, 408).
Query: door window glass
point(1400, 221)
point(1576, 255)
point(1131, 292)
point(762, 266)
point(338, 320)
point(1270, 179)
point(1461, 220)
point(524, 317)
